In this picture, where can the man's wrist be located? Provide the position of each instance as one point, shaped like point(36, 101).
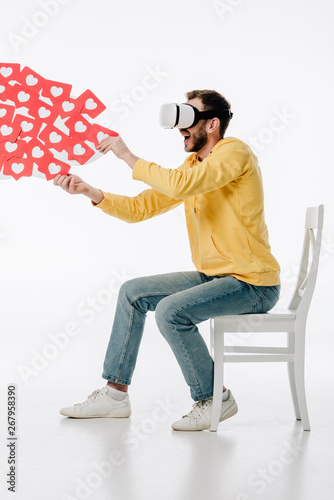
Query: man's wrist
point(130, 159)
point(94, 194)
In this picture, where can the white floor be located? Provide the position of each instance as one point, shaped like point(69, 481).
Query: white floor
point(262, 452)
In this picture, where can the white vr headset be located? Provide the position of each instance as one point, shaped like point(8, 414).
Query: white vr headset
point(187, 116)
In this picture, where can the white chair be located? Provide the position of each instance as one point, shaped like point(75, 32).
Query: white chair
point(291, 320)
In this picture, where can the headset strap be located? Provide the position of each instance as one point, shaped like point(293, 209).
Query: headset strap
point(211, 113)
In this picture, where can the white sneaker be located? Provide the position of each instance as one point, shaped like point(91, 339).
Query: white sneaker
point(99, 404)
point(200, 416)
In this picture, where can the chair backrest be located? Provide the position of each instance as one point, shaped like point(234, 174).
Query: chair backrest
point(307, 274)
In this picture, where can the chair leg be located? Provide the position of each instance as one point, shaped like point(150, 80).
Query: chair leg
point(218, 380)
point(299, 376)
point(292, 380)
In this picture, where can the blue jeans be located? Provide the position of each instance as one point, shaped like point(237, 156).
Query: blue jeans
point(180, 301)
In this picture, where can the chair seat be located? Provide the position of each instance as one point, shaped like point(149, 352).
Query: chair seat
point(276, 320)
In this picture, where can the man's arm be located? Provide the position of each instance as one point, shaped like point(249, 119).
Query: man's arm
point(214, 172)
point(73, 184)
point(144, 206)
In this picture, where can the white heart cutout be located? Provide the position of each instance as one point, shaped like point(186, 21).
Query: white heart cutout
point(54, 137)
point(6, 72)
point(2, 88)
point(43, 112)
point(31, 80)
point(78, 150)
point(67, 106)
point(90, 104)
point(80, 127)
point(101, 135)
point(37, 152)
point(23, 97)
point(26, 126)
point(6, 130)
point(17, 168)
point(56, 91)
point(10, 146)
point(3, 111)
point(54, 168)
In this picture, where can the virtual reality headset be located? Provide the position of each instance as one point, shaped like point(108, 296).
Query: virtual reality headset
point(187, 116)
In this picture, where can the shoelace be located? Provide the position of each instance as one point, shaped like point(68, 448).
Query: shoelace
point(198, 408)
point(91, 397)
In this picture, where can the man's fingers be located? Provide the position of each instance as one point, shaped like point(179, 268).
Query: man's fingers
point(107, 142)
point(62, 180)
point(105, 149)
point(55, 180)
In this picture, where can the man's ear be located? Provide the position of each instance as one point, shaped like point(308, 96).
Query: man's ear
point(214, 125)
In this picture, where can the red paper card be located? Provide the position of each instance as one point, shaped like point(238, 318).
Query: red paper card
point(92, 105)
point(78, 126)
point(6, 112)
point(53, 138)
point(56, 91)
point(9, 131)
point(69, 107)
point(22, 96)
point(39, 109)
point(9, 71)
point(18, 167)
point(4, 90)
point(30, 127)
point(12, 149)
point(35, 149)
point(97, 133)
point(31, 79)
point(51, 167)
point(79, 151)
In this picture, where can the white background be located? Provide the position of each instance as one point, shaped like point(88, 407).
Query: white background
point(57, 252)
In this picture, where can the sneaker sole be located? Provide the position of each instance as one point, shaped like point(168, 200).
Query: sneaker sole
point(94, 416)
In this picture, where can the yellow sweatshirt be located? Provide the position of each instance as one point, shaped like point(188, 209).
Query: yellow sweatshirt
point(224, 208)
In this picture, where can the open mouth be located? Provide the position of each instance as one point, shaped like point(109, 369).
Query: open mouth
point(186, 139)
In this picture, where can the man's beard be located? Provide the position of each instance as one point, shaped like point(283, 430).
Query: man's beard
point(199, 140)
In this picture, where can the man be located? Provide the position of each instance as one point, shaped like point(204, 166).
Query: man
point(220, 184)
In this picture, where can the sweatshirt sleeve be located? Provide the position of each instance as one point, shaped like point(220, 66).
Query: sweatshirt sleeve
point(145, 205)
point(212, 173)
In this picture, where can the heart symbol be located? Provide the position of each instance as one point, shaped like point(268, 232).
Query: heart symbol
point(17, 168)
point(67, 106)
point(31, 80)
point(22, 96)
point(54, 137)
point(6, 72)
point(37, 152)
point(54, 168)
point(26, 126)
point(80, 127)
point(90, 104)
point(56, 91)
point(101, 135)
point(78, 150)
point(43, 112)
point(2, 112)
point(6, 130)
point(10, 146)
point(2, 88)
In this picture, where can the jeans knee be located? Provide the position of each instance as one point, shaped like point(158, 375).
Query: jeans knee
point(131, 289)
point(163, 314)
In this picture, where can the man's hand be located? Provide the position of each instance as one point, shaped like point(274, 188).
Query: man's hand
point(119, 148)
point(73, 184)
